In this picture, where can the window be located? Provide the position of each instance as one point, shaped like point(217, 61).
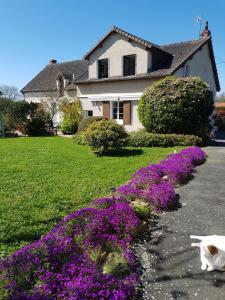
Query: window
point(117, 110)
point(186, 70)
point(88, 113)
point(129, 65)
point(103, 68)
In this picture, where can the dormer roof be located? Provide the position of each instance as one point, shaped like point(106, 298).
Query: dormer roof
point(126, 34)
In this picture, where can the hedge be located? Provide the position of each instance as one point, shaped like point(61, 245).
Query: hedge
point(143, 138)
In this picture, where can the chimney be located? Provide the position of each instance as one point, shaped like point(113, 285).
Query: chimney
point(206, 32)
point(52, 61)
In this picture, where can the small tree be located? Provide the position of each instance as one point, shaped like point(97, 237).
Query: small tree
point(72, 115)
point(51, 103)
point(177, 105)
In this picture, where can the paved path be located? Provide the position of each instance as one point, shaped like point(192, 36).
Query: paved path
point(170, 267)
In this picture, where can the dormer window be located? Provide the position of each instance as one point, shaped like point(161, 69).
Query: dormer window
point(103, 68)
point(129, 65)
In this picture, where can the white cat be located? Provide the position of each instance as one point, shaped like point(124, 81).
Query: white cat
point(212, 251)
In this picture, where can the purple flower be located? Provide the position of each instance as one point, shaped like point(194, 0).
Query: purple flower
point(177, 168)
point(161, 195)
point(195, 154)
point(129, 191)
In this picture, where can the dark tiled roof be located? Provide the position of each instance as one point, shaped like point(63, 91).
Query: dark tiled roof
point(184, 51)
point(46, 79)
point(177, 54)
point(181, 52)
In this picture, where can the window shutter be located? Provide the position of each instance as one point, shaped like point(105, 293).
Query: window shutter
point(106, 110)
point(127, 113)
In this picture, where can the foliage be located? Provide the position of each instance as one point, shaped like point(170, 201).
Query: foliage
point(68, 126)
point(177, 105)
point(26, 117)
point(220, 118)
point(86, 122)
point(105, 135)
point(142, 138)
point(79, 139)
point(5, 108)
point(72, 115)
point(142, 209)
point(45, 178)
point(39, 123)
point(116, 265)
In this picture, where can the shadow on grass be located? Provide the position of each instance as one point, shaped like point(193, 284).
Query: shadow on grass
point(124, 152)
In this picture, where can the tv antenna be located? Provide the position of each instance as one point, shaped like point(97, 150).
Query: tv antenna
point(199, 20)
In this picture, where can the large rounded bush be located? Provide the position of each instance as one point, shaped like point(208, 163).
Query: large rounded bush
point(105, 135)
point(177, 105)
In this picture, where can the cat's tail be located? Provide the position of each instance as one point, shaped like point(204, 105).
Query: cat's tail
point(195, 244)
point(197, 237)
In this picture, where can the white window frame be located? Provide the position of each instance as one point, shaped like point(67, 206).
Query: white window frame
point(118, 120)
point(86, 113)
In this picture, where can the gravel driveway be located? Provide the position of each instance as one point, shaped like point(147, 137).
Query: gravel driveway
point(169, 267)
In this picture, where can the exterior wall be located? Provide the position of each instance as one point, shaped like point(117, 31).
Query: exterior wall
point(122, 86)
point(114, 48)
point(200, 65)
point(135, 123)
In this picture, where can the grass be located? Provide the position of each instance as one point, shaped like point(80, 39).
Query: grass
point(43, 179)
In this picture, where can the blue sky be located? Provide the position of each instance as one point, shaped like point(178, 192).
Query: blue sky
point(33, 32)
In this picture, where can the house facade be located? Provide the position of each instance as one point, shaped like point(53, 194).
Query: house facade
point(111, 78)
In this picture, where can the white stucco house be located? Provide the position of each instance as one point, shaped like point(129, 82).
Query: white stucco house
point(111, 77)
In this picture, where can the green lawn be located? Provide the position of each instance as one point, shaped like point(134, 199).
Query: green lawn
point(43, 179)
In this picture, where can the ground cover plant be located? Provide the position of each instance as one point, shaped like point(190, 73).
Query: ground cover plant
point(45, 178)
point(87, 255)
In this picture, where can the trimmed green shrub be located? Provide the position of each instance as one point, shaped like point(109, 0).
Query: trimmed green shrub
point(68, 126)
point(116, 265)
point(142, 138)
point(87, 121)
point(104, 135)
point(177, 105)
point(79, 139)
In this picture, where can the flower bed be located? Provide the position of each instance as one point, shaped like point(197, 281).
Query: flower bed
point(87, 255)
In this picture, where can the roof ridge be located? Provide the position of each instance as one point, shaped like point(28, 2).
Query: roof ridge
point(65, 62)
point(131, 36)
point(185, 42)
point(138, 37)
